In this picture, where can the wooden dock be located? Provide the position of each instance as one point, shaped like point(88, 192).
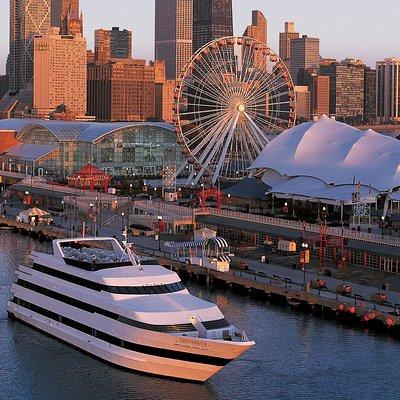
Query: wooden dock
point(359, 312)
point(44, 233)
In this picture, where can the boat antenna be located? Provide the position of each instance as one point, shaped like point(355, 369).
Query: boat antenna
point(133, 257)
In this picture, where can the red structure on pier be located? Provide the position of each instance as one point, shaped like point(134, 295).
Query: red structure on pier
point(90, 177)
point(203, 195)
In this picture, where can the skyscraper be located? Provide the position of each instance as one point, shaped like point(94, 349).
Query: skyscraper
point(173, 34)
point(212, 19)
point(123, 89)
point(65, 14)
point(303, 100)
point(304, 53)
point(71, 18)
point(115, 43)
point(27, 19)
point(369, 95)
point(4, 84)
point(388, 90)
point(60, 73)
point(258, 30)
point(284, 42)
point(259, 27)
point(318, 86)
point(346, 89)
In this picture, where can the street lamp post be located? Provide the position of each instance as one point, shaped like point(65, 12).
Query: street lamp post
point(129, 205)
point(159, 219)
point(304, 247)
point(324, 213)
point(122, 221)
point(91, 205)
point(27, 198)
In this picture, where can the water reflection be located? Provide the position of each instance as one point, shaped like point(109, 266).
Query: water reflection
point(296, 356)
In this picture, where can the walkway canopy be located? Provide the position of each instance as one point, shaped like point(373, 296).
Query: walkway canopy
point(211, 247)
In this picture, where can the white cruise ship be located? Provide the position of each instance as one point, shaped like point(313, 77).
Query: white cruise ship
point(99, 297)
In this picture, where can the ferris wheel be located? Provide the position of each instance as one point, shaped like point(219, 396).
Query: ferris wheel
point(233, 97)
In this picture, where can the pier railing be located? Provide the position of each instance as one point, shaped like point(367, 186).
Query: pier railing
point(314, 228)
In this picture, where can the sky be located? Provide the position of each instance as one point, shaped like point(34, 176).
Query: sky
point(365, 29)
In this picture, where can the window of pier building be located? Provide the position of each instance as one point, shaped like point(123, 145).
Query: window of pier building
point(140, 150)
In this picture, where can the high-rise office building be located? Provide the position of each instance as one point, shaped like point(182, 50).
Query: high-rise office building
point(346, 89)
point(318, 86)
point(71, 18)
point(123, 89)
point(369, 95)
point(59, 73)
point(259, 27)
point(66, 15)
point(212, 19)
point(304, 53)
point(56, 13)
point(4, 85)
point(173, 34)
point(319, 90)
point(388, 90)
point(303, 100)
point(284, 42)
point(164, 91)
point(27, 19)
point(165, 100)
point(258, 30)
point(114, 43)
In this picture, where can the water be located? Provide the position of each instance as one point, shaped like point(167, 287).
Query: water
point(296, 356)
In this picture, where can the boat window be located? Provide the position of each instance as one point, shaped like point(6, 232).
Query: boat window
point(155, 289)
point(158, 289)
point(149, 289)
point(141, 290)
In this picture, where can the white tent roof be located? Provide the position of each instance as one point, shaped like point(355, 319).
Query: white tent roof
point(335, 153)
point(35, 212)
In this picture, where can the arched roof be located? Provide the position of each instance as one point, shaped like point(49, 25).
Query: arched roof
point(62, 130)
point(335, 153)
point(96, 130)
point(77, 131)
point(14, 124)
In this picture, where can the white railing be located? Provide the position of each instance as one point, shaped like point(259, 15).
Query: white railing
point(158, 208)
point(314, 228)
point(151, 217)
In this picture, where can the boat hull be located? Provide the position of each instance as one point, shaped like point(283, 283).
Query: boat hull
point(121, 357)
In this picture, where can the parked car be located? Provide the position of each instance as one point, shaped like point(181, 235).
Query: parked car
point(239, 265)
point(379, 297)
point(318, 284)
point(344, 290)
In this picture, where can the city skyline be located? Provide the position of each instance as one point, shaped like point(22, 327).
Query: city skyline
point(365, 38)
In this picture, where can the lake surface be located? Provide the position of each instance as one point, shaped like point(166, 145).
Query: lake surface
point(297, 356)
